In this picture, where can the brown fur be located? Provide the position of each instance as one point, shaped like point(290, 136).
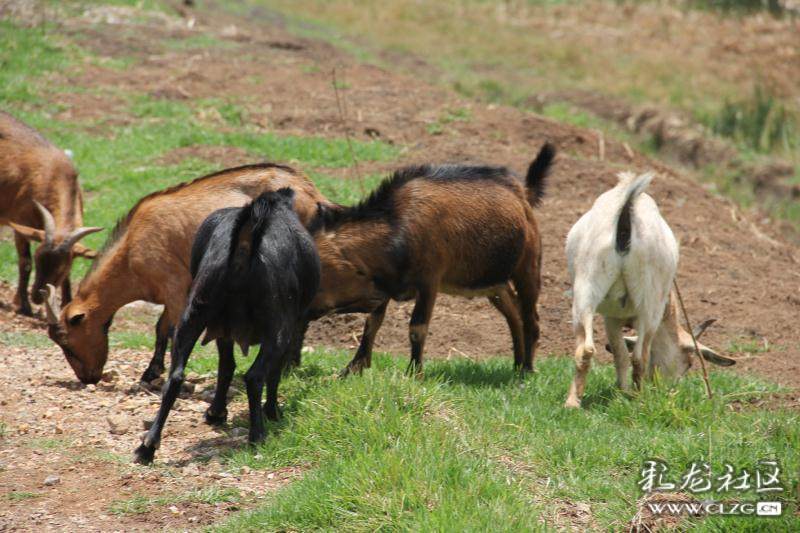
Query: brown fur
point(148, 255)
point(471, 233)
point(33, 169)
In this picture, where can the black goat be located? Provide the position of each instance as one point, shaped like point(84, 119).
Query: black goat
point(255, 271)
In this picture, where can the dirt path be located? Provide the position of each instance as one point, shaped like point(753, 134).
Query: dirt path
point(731, 268)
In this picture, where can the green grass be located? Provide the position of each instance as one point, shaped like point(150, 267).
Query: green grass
point(746, 345)
point(28, 339)
point(141, 504)
point(761, 123)
point(19, 496)
point(774, 7)
point(24, 54)
point(474, 447)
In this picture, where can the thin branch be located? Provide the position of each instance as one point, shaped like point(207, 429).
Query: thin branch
point(694, 339)
point(341, 105)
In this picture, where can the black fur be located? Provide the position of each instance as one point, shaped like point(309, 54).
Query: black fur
point(255, 271)
point(536, 180)
point(624, 228)
point(380, 203)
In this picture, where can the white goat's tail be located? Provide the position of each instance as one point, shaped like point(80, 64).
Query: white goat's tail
point(635, 186)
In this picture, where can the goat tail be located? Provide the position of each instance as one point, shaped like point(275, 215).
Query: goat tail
point(536, 180)
point(247, 231)
point(636, 186)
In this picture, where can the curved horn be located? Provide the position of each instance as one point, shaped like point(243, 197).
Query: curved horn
point(701, 328)
point(49, 223)
point(77, 235)
point(51, 306)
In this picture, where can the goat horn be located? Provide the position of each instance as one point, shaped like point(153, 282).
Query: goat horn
point(51, 305)
point(701, 328)
point(49, 223)
point(77, 235)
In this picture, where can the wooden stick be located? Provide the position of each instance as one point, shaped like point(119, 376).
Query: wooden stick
point(340, 105)
point(694, 340)
point(601, 146)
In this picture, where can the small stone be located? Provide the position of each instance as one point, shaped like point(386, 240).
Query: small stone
point(52, 480)
point(147, 424)
point(91, 387)
point(307, 349)
point(271, 475)
point(110, 376)
point(174, 510)
point(207, 395)
point(245, 470)
point(116, 425)
point(238, 432)
point(58, 429)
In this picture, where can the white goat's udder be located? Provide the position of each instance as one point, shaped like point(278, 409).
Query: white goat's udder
point(617, 303)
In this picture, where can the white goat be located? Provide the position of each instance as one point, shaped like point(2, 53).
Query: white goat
point(622, 258)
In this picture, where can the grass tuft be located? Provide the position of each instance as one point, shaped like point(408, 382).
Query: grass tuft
point(760, 122)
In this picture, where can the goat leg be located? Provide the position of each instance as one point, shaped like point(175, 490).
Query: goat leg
point(418, 327)
point(254, 380)
point(363, 357)
point(188, 332)
point(217, 412)
point(505, 303)
point(527, 285)
point(271, 410)
point(23, 305)
point(164, 332)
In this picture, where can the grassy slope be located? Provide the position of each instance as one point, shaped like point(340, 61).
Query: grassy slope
point(472, 446)
point(509, 51)
point(120, 166)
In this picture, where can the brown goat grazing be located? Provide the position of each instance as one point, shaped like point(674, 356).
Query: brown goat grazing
point(147, 258)
point(456, 229)
point(41, 200)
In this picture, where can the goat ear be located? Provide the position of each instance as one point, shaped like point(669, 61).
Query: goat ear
point(32, 234)
point(713, 357)
point(318, 222)
point(80, 250)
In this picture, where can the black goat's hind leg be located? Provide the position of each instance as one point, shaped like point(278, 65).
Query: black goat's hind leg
point(254, 380)
point(187, 335)
point(217, 412)
point(164, 332)
point(271, 409)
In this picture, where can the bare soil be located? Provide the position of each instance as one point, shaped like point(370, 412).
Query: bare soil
point(732, 267)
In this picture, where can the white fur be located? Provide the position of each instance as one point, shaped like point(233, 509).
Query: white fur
point(631, 288)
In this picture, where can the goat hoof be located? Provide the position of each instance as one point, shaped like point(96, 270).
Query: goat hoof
point(572, 403)
point(151, 374)
point(144, 455)
point(215, 419)
point(273, 414)
point(256, 436)
point(25, 310)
